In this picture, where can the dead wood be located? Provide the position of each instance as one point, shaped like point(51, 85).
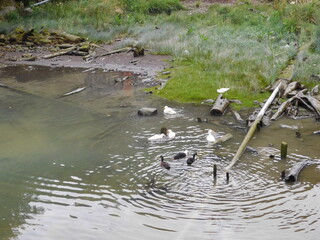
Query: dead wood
point(291, 87)
point(237, 116)
point(315, 103)
point(220, 106)
point(294, 172)
point(64, 52)
point(222, 138)
point(315, 90)
point(125, 49)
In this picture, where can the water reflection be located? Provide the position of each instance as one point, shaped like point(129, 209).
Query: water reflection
point(79, 168)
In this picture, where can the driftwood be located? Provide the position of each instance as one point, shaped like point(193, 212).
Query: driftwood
point(315, 90)
point(253, 128)
point(125, 49)
point(222, 138)
point(29, 58)
point(284, 84)
point(252, 117)
point(3, 85)
point(290, 102)
point(220, 106)
point(64, 52)
point(69, 37)
point(79, 53)
point(266, 120)
point(74, 91)
point(304, 101)
point(281, 109)
point(237, 116)
point(291, 87)
point(294, 172)
point(315, 103)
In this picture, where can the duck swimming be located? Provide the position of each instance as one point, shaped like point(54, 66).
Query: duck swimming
point(168, 110)
point(210, 137)
point(157, 137)
point(164, 164)
point(170, 133)
point(165, 134)
point(191, 159)
point(180, 155)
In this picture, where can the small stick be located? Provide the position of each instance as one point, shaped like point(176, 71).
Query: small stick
point(284, 148)
point(227, 177)
point(214, 171)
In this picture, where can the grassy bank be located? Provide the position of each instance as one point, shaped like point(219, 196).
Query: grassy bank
point(243, 46)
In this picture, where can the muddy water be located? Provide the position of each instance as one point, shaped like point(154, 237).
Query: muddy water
point(81, 167)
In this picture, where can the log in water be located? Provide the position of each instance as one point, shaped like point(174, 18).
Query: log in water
point(296, 169)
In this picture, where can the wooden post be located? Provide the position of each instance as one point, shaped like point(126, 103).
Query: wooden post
point(227, 177)
point(253, 127)
point(284, 148)
point(214, 171)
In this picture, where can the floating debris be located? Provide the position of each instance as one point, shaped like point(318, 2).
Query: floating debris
point(75, 91)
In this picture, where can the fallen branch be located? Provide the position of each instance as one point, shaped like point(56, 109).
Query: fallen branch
point(315, 103)
point(253, 128)
point(125, 49)
point(222, 138)
point(64, 52)
point(237, 116)
point(291, 87)
point(281, 109)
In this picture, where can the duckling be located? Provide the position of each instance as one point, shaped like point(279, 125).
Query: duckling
point(191, 159)
point(210, 137)
point(181, 155)
point(168, 110)
point(164, 164)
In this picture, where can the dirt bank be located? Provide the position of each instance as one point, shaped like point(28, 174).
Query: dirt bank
point(147, 65)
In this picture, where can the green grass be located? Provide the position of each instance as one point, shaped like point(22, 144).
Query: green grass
point(243, 46)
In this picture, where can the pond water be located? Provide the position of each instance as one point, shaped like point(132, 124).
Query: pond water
point(81, 167)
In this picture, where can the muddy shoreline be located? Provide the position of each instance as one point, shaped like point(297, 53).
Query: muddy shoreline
point(148, 65)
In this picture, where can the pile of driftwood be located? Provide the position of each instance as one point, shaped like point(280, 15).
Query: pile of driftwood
point(34, 38)
point(64, 44)
point(294, 100)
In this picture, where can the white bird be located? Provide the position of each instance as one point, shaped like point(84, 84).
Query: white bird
point(164, 135)
point(170, 133)
point(222, 90)
point(210, 137)
point(168, 110)
point(156, 137)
